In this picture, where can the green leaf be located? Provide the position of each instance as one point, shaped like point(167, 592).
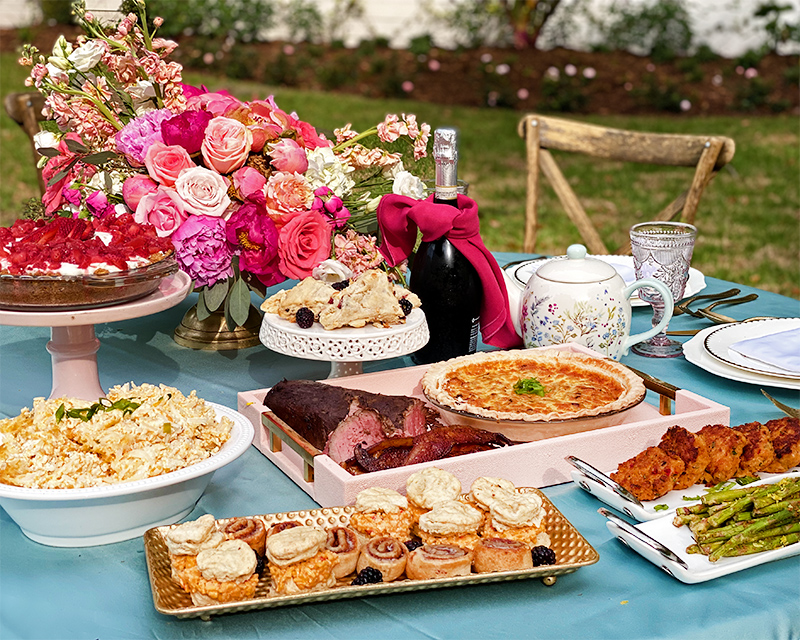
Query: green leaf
point(75, 146)
point(240, 302)
point(202, 310)
point(99, 158)
point(660, 507)
point(215, 296)
point(49, 152)
point(63, 173)
point(529, 385)
point(60, 412)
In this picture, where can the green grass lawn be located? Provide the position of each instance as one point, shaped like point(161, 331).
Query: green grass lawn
point(749, 217)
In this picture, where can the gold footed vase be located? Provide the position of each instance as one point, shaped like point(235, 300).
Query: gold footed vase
point(212, 333)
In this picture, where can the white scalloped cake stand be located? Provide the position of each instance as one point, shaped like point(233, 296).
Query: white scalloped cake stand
point(346, 348)
point(73, 345)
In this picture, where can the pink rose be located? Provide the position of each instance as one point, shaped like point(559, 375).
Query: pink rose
point(304, 242)
point(164, 162)
point(287, 194)
point(98, 205)
point(135, 187)
point(203, 192)
point(226, 144)
point(248, 182)
point(163, 209)
point(289, 156)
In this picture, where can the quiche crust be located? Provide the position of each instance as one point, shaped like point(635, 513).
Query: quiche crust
point(576, 385)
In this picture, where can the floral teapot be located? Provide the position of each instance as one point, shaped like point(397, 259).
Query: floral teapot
point(584, 300)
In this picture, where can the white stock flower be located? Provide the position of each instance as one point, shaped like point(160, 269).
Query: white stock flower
point(407, 184)
point(331, 271)
point(102, 179)
point(87, 55)
point(61, 51)
point(56, 73)
point(325, 170)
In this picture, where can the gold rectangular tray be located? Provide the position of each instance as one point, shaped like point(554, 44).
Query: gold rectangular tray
point(571, 549)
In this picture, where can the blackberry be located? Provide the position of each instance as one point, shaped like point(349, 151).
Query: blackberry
point(368, 575)
point(342, 284)
point(406, 306)
point(304, 317)
point(543, 555)
point(413, 544)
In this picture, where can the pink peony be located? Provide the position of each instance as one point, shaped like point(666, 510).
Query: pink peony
point(164, 163)
point(186, 129)
point(98, 205)
point(256, 237)
point(163, 209)
point(287, 195)
point(248, 182)
point(135, 187)
point(305, 241)
point(203, 192)
point(226, 144)
point(202, 250)
point(289, 156)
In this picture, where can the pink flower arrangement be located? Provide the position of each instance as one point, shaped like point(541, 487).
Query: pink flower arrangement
point(249, 195)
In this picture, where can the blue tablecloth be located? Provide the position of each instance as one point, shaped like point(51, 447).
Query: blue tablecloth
point(104, 592)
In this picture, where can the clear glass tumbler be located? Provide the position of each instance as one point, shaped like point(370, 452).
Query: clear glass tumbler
point(662, 250)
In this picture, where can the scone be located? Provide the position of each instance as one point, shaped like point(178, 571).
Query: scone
point(224, 574)
point(381, 512)
point(386, 554)
point(310, 293)
point(451, 522)
point(344, 542)
point(186, 540)
point(517, 516)
point(253, 532)
point(299, 562)
point(428, 487)
point(438, 561)
point(501, 554)
point(485, 490)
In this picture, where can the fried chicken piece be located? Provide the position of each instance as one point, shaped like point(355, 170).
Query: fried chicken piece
point(649, 474)
point(725, 446)
point(689, 447)
point(758, 452)
point(785, 434)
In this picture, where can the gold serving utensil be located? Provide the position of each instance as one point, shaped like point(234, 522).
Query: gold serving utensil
point(683, 305)
point(707, 312)
point(789, 411)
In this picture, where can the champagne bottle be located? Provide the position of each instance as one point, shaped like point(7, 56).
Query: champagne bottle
point(445, 281)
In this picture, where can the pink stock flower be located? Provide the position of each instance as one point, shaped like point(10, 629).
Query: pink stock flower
point(392, 128)
point(289, 156)
point(202, 250)
point(356, 251)
point(164, 162)
point(256, 237)
point(226, 144)
point(248, 183)
point(203, 192)
point(135, 187)
point(287, 194)
point(305, 241)
point(163, 209)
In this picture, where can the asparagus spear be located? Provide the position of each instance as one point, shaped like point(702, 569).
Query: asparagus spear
point(746, 536)
point(765, 544)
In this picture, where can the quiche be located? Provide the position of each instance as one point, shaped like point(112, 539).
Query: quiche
point(532, 385)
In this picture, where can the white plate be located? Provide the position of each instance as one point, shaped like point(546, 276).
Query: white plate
point(648, 510)
point(718, 342)
point(111, 513)
point(520, 273)
point(696, 353)
point(699, 567)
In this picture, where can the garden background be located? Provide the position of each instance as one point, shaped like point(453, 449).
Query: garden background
point(638, 64)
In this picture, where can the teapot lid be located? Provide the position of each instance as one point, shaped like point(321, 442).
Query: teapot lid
point(576, 268)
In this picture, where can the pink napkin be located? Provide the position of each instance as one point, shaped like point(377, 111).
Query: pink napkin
point(399, 217)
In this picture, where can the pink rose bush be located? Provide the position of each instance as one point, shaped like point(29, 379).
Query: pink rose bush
point(249, 194)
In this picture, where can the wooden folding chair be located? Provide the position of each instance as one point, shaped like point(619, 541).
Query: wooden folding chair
point(26, 110)
point(708, 154)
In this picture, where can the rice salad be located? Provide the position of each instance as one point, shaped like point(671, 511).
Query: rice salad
point(135, 432)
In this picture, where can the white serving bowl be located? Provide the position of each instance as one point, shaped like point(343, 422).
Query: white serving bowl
point(113, 513)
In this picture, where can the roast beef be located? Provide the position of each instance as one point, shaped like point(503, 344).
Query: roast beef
point(335, 419)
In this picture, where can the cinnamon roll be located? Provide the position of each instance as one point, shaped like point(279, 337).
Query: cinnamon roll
point(249, 530)
point(344, 542)
point(501, 554)
point(438, 561)
point(386, 554)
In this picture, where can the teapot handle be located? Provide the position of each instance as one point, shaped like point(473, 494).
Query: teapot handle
point(668, 308)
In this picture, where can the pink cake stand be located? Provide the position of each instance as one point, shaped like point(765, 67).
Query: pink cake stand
point(73, 345)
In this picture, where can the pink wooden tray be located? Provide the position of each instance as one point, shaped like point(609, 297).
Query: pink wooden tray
point(539, 463)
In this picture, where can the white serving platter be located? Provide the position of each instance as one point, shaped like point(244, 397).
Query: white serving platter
point(698, 568)
point(536, 464)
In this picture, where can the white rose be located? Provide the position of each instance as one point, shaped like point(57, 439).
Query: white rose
point(61, 51)
point(203, 192)
point(407, 184)
point(331, 271)
point(45, 140)
point(87, 56)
